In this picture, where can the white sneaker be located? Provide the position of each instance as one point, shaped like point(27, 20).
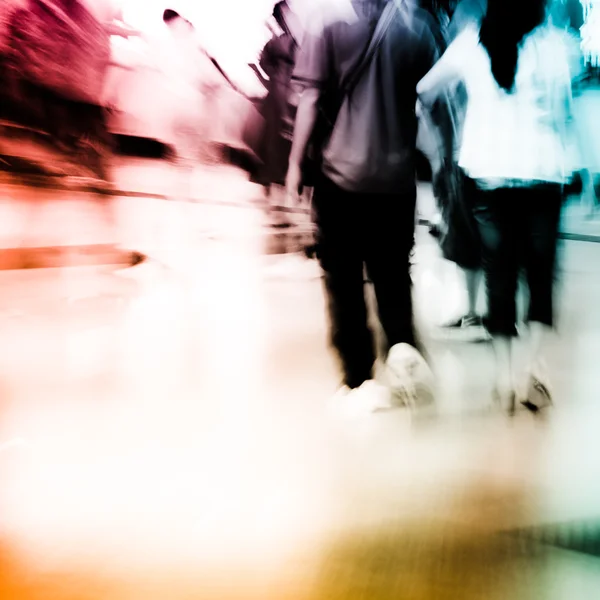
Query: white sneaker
point(370, 397)
point(535, 391)
point(409, 377)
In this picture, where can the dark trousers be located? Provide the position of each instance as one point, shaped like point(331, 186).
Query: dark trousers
point(519, 231)
point(357, 230)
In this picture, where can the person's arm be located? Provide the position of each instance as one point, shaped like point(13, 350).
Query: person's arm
point(444, 72)
point(435, 82)
point(312, 72)
point(428, 141)
point(429, 137)
point(306, 117)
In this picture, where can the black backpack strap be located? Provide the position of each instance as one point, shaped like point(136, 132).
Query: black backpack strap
point(383, 24)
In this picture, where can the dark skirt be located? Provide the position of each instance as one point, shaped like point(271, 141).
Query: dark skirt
point(456, 195)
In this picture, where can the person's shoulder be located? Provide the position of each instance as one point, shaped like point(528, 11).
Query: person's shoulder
point(422, 27)
point(466, 41)
point(324, 17)
point(469, 33)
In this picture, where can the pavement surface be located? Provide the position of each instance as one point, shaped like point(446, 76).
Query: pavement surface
point(166, 430)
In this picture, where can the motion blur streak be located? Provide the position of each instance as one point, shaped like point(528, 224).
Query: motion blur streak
point(172, 425)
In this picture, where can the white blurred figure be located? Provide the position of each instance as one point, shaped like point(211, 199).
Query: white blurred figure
point(192, 81)
point(568, 16)
point(586, 111)
point(590, 33)
point(455, 228)
point(516, 70)
point(277, 61)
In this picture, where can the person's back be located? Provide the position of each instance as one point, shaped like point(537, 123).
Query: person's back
point(516, 134)
point(379, 118)
point(520, 135)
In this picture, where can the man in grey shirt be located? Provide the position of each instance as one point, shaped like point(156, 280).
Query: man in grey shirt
point(364, 200)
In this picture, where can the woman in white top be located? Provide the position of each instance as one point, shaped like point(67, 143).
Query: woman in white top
point(516, 70)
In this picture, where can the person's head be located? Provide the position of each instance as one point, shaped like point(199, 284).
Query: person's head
point(504, 26)
point(175, 21)
point(280, 11)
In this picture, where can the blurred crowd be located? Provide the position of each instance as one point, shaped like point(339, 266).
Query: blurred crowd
point(351, 102)
point(488, 92)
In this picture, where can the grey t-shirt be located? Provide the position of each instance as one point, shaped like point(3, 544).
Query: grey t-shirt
point(384, 99)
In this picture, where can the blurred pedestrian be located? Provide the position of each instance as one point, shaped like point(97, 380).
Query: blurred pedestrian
point(567, 15)
point(192, 81)
point(454, 225)
point(355, 141)
point(277, 61)
point(516, 70)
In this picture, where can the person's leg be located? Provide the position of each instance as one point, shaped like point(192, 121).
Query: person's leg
point(473, 267)
point(535, 345)
point(503, 377)
point(589, 197)
point(498, 227)
point(472, 281)
point(389, 223)
point(339, 232)
point(540, 265)
point(465, 251)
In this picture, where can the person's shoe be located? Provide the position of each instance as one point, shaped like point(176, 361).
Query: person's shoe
point(367, 399)
point(538, 394)
point(409, 377)
point(470, 328)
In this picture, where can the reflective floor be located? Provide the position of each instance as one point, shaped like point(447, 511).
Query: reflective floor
point(165, 434)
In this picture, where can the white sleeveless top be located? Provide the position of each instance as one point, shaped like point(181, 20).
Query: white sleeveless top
point(519, 137)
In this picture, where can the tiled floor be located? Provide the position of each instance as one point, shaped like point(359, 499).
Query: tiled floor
point(165, 434)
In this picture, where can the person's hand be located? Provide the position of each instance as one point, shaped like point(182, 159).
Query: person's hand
point(293, 183)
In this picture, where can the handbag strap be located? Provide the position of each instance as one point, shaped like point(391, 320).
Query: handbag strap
point(381, 29)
